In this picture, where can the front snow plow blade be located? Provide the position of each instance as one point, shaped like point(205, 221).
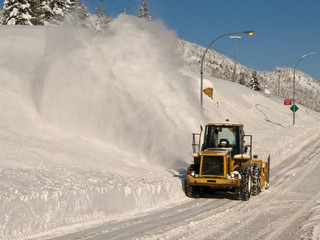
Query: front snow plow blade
point(217, 183)
point(261, 169)
point(266, 174)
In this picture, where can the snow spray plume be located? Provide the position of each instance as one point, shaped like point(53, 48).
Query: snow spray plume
point(120, 86)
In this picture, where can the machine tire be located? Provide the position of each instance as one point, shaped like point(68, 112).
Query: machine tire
point(192, 191)
point(244, 191)
point(256, 179)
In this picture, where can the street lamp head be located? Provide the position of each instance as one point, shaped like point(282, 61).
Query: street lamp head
point(250, 33)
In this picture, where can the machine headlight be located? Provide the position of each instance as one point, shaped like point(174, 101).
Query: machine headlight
point(235, 175)
point(192, 174)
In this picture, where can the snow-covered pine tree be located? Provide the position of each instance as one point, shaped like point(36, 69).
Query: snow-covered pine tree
point(83, 11)
point(70, 6)
point(37, 12)
point(241, 80)
point(102, 20)
point(83, 15)
point(254, 83)
point(58, 8)
point(144, 13)
point(54, 11)
point(1, 16)
point(16, 12)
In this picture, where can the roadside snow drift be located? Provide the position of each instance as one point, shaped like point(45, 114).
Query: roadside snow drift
point(92, 124)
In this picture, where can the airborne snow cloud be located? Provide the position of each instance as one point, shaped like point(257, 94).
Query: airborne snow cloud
point(109, 86)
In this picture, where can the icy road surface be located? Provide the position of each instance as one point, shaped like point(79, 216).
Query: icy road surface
point(288, 210)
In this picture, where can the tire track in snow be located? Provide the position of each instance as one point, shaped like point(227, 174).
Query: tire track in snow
point(250, 213)
point(222, 219)
point(141, 225)
point(273, 198)
point(307, 169)
point(312, 165)
point(300, 212)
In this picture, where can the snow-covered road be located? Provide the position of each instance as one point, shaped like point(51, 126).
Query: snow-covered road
point(288, 210)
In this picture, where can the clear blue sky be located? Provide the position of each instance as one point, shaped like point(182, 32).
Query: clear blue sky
point(285, 30)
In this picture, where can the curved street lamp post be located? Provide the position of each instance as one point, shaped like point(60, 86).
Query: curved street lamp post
point(250, 33)
point(294, 84)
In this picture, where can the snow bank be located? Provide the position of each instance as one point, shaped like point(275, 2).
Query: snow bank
point(39, 201)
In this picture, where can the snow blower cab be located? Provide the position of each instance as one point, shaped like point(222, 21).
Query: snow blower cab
point(225, 161)
point(224, 135)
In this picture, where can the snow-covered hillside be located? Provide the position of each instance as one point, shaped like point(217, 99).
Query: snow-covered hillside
point(95, 125)
point(279, 81)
